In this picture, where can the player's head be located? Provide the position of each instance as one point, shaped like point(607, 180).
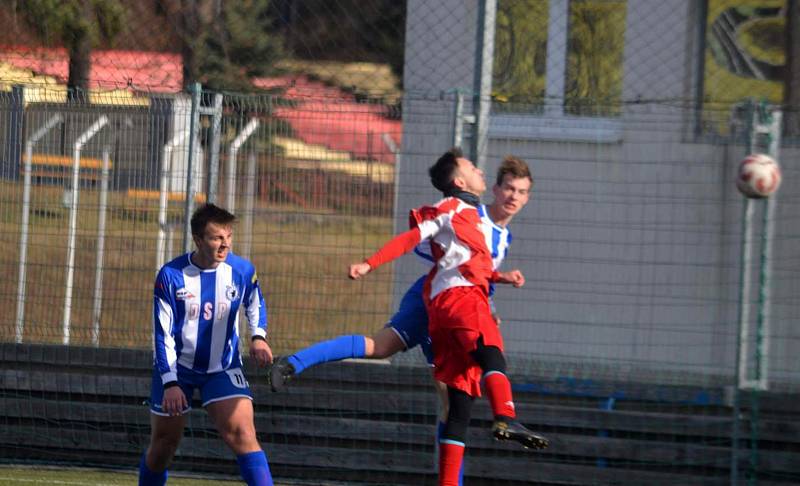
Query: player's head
point(512, 187)
point(453, 172)
point(212, 232)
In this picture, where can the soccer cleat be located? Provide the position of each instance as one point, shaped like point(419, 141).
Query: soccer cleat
point(513, 430)
point(280, 373)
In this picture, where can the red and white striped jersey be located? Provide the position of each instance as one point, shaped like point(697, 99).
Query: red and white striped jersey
point(458, 245)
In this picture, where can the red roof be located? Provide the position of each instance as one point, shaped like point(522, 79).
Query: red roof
point(139, 70)
point(322, 114)
point(328, 116)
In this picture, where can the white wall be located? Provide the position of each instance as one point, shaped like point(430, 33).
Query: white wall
point(631, 241)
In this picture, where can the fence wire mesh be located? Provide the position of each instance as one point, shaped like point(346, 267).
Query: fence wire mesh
point(315, 122)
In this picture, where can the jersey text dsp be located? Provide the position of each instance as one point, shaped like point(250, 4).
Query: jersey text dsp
point(196, 312)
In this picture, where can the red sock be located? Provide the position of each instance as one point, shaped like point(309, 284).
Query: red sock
point(450, 457)
point(498, 391)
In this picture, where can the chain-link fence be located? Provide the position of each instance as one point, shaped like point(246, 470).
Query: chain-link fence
point(626, 344)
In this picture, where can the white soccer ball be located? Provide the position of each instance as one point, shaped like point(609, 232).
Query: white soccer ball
point(759, 176)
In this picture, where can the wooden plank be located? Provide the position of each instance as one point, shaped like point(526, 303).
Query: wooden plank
point(384, 433)
point(74, 385)
point(33, 356)
point(362, 372)
point(621, 392)
point(155, 195)
point(375, 402)
point(343, 374)
point(64, 161)
point(84, 176)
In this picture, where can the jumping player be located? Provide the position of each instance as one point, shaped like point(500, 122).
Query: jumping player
point(197, 301)
point(408, 327)
point(466, 340)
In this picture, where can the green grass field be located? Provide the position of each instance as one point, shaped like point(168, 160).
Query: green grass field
point(33, 475)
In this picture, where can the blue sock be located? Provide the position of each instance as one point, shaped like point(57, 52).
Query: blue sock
point(148, 477)
point(336, 349)
point(439, 431)
point(439, 434)
point(254, 469)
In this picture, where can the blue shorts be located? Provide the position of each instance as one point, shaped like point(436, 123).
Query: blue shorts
point(213, 387)
point(410, 322)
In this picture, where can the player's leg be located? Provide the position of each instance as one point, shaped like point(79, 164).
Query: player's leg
point(165, 435)
point(382, 344)
point(453, 440)
point(444, 403)
point(233, 419)
point(498, 391)
point(444, 409)
point(227, 399)
point(336, 349)
point(391, 339)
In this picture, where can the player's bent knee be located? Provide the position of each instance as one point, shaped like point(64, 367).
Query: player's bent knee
point(241, 439)
point(386, 344)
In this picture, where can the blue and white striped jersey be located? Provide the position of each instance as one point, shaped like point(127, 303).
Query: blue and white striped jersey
point(195, 313)
point(498, 239)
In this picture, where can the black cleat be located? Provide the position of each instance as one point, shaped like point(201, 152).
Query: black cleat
point(513, 430)
point(280, 373)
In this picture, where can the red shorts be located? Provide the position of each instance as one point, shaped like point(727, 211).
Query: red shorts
point(457, 317)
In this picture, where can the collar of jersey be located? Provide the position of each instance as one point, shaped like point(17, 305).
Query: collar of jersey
point(189, 257)
point(465, 196)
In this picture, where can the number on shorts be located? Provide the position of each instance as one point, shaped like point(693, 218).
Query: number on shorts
point(237, 378)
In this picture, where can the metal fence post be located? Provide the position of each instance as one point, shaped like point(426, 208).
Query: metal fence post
point(233, 150)
point(481, 103)
point(101, 241)
point(194, 128)
point(163, 197)
point(73, 220)
point(25, 223)
point(767, 124)
point(212, 184)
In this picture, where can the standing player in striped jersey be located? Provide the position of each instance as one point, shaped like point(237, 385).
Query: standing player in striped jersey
point(466, 341)
point(198, 297)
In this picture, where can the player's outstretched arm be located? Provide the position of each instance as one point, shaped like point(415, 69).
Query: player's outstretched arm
point(358, 270)
point(396, 247)
point(513, 277)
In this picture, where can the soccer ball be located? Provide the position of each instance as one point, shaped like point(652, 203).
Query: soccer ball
point(759, 176)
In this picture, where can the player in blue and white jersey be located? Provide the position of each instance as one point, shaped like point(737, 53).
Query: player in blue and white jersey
point(196, 304)
point(408, 327)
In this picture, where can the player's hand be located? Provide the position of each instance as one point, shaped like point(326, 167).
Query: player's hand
point(174, 402)
point(513, 277)
point(497, 319)
point(358, 270)
point(260, 352)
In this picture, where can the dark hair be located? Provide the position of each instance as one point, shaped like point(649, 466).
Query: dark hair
point(443, 171)
point(514, 166)
point(210, 213)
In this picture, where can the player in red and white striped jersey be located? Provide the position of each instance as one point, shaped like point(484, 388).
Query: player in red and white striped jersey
point(467, 344)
